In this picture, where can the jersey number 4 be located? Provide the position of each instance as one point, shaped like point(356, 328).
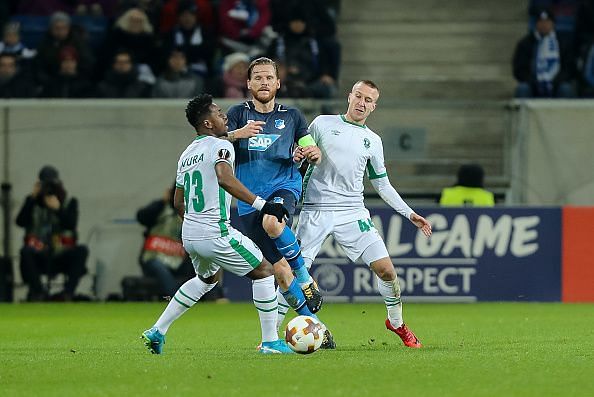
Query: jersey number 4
point(194, 180)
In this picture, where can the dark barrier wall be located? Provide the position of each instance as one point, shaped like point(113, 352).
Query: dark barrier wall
point(511, 254)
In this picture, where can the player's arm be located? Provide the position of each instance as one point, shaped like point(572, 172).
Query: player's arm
point(247, 131)
point(234, 187)
point(307, 149)
point(387, 192)
point(178, 201)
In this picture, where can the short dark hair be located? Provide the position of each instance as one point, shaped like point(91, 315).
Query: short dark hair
point(368, 83)
point(471, 175)
point(262, 61)
point(198, 109)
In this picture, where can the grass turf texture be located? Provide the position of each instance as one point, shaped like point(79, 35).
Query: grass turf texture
point(469, 350)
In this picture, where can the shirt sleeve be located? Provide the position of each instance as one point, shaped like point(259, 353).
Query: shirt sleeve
point(179, 177)
point(376, 167)
point(300, 126)
point(223, 151)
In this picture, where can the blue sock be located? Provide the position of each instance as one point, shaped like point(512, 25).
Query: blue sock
point(289, 248)
point(295, 299)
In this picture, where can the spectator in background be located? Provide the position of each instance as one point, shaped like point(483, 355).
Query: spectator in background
point(469, 189)
point(133, 32)
point(50, 220)
point(235, 75)
point(177, 81)
point(122, 80)
point(188, 36)
point(585, 48)
point(14, 84)
point(307, 65)
point(242, 23)
point(96, 8)
point(11, 43)
point(203, 12)
point(163, 256)
point(68, 83)
point(542, 64)
point(151, 8)
point(60, 35)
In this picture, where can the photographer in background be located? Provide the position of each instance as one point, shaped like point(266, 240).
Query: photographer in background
point(49, 219)
point(163, 256)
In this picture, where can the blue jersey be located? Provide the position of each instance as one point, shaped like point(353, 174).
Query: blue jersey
point(264, 163)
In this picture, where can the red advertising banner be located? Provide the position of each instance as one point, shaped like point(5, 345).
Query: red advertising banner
point(578, 254)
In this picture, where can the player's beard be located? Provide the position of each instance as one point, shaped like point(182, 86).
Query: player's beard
point(264, 97)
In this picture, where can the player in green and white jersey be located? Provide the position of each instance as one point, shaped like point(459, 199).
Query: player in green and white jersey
point(333, 197)
point(204, 185)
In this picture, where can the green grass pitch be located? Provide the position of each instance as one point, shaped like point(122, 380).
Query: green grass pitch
point(496, 349)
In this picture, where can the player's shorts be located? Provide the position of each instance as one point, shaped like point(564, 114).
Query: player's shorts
point(352, 229)
point(251, 226)
point(235, 253)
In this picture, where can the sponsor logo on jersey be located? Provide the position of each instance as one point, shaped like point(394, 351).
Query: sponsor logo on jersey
point(279, 124)
point(335, 132)
point(366, 143)
point(261, 142)
point(224, 154)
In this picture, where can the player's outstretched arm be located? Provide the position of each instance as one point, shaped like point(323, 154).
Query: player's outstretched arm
point(247, 131)
point(234, 187)
point(387, 192)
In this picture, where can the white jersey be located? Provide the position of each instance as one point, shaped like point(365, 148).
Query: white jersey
point(348, 152)
point(207, 205)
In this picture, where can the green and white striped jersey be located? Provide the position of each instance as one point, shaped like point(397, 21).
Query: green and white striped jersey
point(207, 205)
point(349, 151)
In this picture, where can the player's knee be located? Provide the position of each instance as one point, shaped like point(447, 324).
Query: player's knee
point(283, 274)
point(272, 226)
point(262, 271)
point(386, 273)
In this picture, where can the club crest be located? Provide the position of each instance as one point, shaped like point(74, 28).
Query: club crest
point(279, 124)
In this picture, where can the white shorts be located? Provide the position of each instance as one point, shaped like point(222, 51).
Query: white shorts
point(352, 229)
point(235, 253)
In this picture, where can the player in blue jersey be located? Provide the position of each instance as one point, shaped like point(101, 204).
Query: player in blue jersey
point(264, 164)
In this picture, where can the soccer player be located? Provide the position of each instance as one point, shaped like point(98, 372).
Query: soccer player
point(204, 185)
point(265, 166)
point(333, 198)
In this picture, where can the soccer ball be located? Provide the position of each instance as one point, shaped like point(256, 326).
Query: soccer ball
point(304, 334)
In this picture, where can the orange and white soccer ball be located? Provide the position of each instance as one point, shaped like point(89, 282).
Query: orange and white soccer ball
point(304, 334)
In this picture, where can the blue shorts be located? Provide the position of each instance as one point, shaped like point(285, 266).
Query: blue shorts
point(251, 226)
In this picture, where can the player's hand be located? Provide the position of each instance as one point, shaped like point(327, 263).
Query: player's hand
point(313, 154)
point(250, 129)
point(298, 155)
point(421, 223)
point(275, 209)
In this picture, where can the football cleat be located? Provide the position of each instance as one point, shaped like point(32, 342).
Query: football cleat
point(278, 346)
point(313, 296)
point(408, 337)
point(153, 340)
point(328, 342)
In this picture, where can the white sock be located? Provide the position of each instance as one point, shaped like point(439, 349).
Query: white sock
point(390, 290)
point(185, 297)
point(283, 308)
point(264, 297)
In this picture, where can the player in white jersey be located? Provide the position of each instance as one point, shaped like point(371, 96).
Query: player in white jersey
point(333, 198)
point(204, 185)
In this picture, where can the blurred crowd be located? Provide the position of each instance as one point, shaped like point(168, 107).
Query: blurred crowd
point(164, 48)
point(555, 59)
